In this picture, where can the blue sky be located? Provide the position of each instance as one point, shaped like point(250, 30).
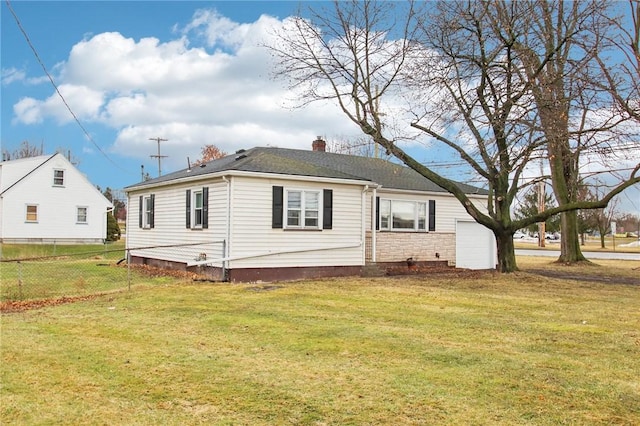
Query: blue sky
point(189, 72)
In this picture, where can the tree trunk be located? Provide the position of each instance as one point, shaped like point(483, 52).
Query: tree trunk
point(506, 253)
point(602, 245)
point(570, 243)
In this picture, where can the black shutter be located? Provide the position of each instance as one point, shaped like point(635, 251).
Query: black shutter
point(205, 207)
point(327, 209)
point(188, 210)
point(140, 207)
point(277, 210)
point(153, 211)
point(432, 215)
point(377, 213)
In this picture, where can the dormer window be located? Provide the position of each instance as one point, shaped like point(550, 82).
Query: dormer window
point(58, 177)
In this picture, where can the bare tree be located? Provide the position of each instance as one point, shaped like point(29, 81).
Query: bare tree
point(596, 219)
point(362, 146)
point(558, 48)
point(25, 150)
point(459, 70)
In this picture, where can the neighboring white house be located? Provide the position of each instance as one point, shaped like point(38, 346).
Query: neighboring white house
point(45, 199)
point(272, 214)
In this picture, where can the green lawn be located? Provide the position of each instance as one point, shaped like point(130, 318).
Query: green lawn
point(61, 270)
point(485, 349)
point(115, 250)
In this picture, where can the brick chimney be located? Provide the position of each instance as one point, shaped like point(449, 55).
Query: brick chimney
point(319, 144)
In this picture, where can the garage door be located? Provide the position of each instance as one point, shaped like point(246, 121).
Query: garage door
point(475, 246)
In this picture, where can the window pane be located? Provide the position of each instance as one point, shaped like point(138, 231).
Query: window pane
point(147, 211)
point(32, 213)
point(403, 213)
point(198, 217)
point(293, 217)
point(385, 211)
point(311, 200)
point(58, 177)
point(294, 199)
point(422, 216)
point(311, 218)
point(198, 200)
point(82, 214)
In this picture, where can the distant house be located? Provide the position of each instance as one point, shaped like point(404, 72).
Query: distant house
point(45, 199)
point(273, 214)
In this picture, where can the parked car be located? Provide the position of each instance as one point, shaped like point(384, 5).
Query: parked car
point(519, 234)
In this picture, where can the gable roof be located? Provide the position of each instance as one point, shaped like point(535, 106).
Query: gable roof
point(13, 171)
point(323, 164)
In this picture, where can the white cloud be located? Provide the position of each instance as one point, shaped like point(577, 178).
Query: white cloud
point(192, 96)
point(11, 75)
point(86, 104)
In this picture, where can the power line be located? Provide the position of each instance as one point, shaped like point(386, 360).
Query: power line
point(55, 86)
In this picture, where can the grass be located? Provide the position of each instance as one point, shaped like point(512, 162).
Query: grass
point(73, 270)
point(492, 349)
point(113, 250)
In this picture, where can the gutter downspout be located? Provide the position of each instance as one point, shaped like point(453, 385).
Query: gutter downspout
point(373, 224)
point(227, 245)
point(363, 220)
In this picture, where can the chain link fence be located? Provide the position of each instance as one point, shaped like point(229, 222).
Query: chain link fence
point(31, 272)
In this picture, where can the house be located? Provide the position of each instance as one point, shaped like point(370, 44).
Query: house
point(273, 214)
point(45, 199)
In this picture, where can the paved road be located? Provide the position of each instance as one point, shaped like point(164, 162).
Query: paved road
point(587, 254)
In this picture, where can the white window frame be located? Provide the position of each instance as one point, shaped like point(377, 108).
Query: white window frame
point(56, 177)
point(26, 210)
point(305, 210)
point(146, 211)
point(195, 209)
point(86, 215)
point(420, 222)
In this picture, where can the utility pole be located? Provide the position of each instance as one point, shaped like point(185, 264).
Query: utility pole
point(158, 156)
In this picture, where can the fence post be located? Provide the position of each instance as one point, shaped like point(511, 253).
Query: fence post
point(20, 280)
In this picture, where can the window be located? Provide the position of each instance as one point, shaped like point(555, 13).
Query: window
point(32, 213)
point(401, 215)
point(302, 209)
point(58, 177)
point(197, 211)
point(146, 211)
point(197, 208)
point(81, 216)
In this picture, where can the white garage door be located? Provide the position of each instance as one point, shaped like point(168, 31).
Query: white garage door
point(475, 246)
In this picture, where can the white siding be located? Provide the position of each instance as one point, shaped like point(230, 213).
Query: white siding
point(170, 239)
point(57, 206)
point(254, 243)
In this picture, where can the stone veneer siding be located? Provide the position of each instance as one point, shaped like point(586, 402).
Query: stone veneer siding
point(399, 246)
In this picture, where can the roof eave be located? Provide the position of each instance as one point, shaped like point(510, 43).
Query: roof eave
point(220, 174)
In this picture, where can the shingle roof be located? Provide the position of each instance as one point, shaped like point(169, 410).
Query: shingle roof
point(315, 164)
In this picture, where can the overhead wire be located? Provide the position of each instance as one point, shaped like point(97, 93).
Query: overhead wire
point(55, 86)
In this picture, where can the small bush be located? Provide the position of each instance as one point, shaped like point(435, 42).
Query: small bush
point(113, 229)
